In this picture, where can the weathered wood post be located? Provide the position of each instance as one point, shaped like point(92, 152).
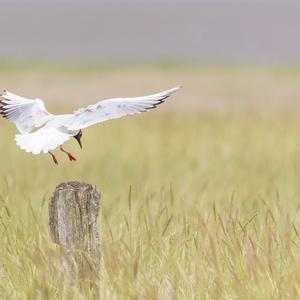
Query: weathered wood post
point(73, 212)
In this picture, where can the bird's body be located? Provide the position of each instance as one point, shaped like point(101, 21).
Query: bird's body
point(42, 132)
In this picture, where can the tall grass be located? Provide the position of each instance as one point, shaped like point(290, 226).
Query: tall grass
point(192, 207)
point(195, 205)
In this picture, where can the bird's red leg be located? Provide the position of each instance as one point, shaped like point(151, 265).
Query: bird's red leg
point(71, 157)
point(53, 157)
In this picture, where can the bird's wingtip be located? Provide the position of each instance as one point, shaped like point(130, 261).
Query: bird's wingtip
point(175, 89)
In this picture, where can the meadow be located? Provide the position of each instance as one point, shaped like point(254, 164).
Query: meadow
point(199, 199)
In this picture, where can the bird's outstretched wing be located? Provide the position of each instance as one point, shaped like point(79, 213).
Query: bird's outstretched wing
point(115, 108)
point(25, 113)
point(43, 140)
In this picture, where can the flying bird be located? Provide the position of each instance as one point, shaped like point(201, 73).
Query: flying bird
point(42, 132)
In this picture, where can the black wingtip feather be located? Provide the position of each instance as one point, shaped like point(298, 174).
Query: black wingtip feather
point(3, 115)
point(158, 103)
point(3, 112)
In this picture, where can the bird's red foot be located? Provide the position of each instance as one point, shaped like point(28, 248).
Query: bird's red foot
point(53, 157)
point(71, 157)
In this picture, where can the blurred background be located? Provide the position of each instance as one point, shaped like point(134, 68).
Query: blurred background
point(205, 30)
point(238, 63)
point(221, 51)
point(204, 189)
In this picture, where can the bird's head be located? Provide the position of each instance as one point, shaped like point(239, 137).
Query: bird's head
point(78, 137)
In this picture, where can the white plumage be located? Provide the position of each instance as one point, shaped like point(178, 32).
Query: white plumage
point(43, 140)
point(25, 113)
point(55, 130)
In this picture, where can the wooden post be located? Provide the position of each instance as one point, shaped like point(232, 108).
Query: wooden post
point(73, 212)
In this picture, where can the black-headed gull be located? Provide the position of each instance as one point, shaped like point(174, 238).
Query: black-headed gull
point(42, 132)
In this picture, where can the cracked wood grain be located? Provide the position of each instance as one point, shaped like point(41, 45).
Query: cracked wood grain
point(73, 212)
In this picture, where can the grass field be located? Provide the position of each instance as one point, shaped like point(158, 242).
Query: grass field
point(200, 200)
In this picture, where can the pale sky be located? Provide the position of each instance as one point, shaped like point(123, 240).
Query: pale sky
point(196, 30)
point(156, 1)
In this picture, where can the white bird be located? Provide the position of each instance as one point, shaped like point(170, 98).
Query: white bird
point(42, 132)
